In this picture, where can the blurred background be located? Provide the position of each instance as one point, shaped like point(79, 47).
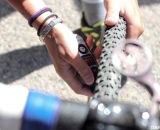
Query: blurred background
point(24, 59)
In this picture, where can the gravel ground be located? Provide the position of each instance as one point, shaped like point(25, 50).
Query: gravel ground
point(25, 61)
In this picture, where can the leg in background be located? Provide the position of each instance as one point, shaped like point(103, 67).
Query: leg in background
point(93, 24)
point(94, 11)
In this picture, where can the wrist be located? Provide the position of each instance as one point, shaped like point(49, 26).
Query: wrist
point(48, 26)
point(46, 21)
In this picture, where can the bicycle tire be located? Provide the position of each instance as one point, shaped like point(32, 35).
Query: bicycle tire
point(109, 82)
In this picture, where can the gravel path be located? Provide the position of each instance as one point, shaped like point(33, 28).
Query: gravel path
point(24, 60)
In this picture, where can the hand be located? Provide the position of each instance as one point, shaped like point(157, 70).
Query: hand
point(128, 9)
point(63, 49)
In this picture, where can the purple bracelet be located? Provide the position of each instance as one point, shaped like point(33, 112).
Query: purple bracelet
point(37, 14)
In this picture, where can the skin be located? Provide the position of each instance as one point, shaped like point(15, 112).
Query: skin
point(128, 9)
point(62, 45)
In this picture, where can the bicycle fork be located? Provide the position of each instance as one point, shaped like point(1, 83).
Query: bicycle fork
point(134, 59)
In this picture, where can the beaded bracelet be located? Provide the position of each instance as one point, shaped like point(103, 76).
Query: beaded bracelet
point(40, 27)
point(37, 14)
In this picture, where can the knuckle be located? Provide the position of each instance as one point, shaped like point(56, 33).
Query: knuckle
point(78, 90)
point(107, 1)
point(84, 71)
point(58, 71)
point(68, 56)
point(140, 28)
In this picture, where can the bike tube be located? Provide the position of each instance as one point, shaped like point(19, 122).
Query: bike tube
point(109, 81)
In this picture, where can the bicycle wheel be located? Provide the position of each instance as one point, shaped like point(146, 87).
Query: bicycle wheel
point(109, 81)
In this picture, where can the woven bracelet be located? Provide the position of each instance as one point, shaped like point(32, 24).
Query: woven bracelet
point(40, 27)
point(37, 14)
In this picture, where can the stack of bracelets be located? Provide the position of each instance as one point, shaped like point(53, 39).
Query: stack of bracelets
point(43, 31)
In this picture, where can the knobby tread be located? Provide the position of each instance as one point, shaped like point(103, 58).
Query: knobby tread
point(109, 81)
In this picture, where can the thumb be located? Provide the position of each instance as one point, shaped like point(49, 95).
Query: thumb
point(83, 69)
point(113, 10)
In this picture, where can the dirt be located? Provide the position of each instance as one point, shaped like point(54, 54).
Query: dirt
point(24, 59)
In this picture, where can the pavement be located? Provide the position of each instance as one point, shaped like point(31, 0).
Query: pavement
point(24, 59)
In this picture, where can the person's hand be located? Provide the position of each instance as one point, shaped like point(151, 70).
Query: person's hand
point(63, 49)
point(128, 9)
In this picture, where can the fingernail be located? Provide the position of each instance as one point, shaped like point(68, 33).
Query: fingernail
point(89, 79)
point(111, 21)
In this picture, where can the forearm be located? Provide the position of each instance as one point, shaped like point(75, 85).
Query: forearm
point(28, 7)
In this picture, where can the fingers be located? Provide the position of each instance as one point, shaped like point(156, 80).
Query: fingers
point(132, 16)
point(83, 69)
point(72, 56)
point(129, 9)
point(66, 56)
point(69, 75)
point(134, 24)
point(134, 31)
point(113, 9)
point(65, 70)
